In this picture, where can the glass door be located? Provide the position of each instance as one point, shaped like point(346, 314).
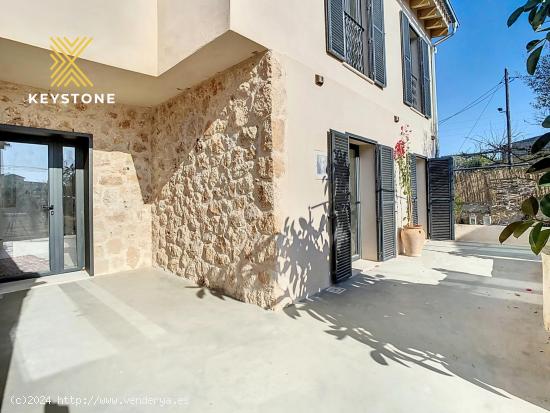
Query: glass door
point(24, 209)
point(41, 230)
point(71, 200)
point(355, 203)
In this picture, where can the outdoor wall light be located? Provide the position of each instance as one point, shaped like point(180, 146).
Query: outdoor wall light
point(319, 80)
point(396, 119)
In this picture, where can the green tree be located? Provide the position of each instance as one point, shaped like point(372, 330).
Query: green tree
point(536, 211)
point(539, 83)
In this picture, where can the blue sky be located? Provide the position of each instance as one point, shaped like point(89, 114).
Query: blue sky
point(471, 63)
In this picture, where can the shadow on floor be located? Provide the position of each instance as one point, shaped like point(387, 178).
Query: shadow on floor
point(10, 310)
point(55, 408)
point(490, 335)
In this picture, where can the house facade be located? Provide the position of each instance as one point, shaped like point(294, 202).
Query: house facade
point(249, 147)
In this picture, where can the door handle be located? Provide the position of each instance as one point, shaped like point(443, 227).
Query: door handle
point(48, 208)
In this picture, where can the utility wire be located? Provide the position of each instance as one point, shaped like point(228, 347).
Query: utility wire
point(474, 103)
point(480, 116)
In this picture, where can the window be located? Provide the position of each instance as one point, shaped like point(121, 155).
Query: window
point(353, 10)
point(416, 69)
point(355, 35)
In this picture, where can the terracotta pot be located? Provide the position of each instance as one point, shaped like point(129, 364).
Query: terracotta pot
point(413, 239)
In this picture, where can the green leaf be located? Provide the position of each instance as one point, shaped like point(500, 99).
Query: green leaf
point(541, 166)
point(514, 16)
point(546, 123)
point(539, 17)
point(522, 227)
point(508, 231)
point(534, 235)
point(545, 179)
point(541, 241)
point(530, 206)
point(533, 60)
point(545, 205)
point(531, 4)
point(531, 17)
point(532, 44)
point(540, 143)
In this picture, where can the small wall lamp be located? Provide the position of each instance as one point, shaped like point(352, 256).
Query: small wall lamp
point(319, 80)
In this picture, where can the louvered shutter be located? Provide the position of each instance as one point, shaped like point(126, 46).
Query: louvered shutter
point(336, 44)
point(407, 62)
point(426, 82)
point(385, 194)
point(378, 42)
point(441, 198)
point(414, 189)
point(340, 206)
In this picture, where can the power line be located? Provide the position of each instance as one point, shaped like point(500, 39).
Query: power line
point(480, 116)
point(474, 103)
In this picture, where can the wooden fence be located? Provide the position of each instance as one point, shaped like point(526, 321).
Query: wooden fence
point(498, 192)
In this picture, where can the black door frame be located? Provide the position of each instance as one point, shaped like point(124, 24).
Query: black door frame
point(57, 139)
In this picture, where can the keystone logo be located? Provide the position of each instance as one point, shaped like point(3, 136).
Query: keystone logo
point(64, 69)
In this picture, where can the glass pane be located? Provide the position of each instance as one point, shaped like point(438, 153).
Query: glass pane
point(24, 217)
point(69, 208)
point(353, 8)
point(354, 198)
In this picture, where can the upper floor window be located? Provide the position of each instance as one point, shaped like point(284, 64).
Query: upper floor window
point(353, 10)
point(355, 34)
point(416, 69)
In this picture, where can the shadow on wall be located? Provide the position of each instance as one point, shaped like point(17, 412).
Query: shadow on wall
point(477, 328)
point(303, 265)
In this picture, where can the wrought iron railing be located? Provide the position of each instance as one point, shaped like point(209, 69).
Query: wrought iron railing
point(354, 43)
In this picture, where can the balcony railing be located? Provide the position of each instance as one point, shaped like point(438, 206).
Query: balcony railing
point(354, 43)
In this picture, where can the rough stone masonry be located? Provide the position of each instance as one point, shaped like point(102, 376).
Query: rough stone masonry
point(190, 185)
point(214, 168)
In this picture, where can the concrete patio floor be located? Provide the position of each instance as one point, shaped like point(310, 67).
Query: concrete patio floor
point(458, 330)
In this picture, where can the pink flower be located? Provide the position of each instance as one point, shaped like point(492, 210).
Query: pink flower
point(400, 149)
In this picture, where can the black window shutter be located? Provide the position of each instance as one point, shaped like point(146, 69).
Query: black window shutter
point(336, 44)
point(414, 189)
point(339, 176)
point(385, 194)
point(441, 199)
point(426, 82)
point(407, 62)
point(378, 39)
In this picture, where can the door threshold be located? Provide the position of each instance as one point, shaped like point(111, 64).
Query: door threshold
point(363, 265)
point(30, 283)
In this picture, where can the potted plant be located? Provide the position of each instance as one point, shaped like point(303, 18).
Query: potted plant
point(413, 235)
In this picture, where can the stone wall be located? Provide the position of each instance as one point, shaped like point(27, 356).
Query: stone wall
point(214, 162)
point(188, 186)
point(495, 191)
point(121, 180)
